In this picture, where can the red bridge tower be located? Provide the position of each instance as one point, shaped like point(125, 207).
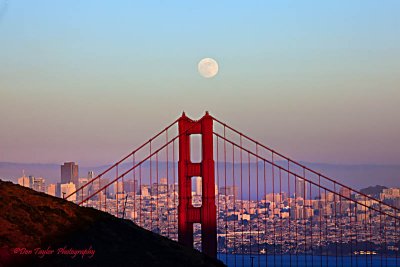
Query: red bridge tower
point(206, 214)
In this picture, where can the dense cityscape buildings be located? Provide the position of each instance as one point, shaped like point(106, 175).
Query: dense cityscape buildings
point(252, 223)
point(245, 225)
point(70, 181)
point(36, 183)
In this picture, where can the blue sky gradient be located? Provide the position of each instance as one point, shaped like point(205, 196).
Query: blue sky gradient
point(90, 80)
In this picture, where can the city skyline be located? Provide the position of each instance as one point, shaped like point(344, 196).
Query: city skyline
point(204, 133)
point(305, 212)
point(235, 211)
point(322, 76)
point(153, 206)
point(357, 176)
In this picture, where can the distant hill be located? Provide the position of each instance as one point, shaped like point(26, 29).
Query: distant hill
point(30, 220)
point(360, 175)
point(373, 191)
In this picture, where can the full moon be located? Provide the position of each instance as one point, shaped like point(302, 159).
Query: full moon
point(208, 67)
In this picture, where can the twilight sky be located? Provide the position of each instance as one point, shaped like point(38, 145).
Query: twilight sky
point(90, 80)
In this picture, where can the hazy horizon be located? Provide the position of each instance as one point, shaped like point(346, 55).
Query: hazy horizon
point(228, 162)
point(355, 176)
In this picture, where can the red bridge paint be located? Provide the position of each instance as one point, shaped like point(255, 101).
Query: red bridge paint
point(291, 210)
point(206, 214)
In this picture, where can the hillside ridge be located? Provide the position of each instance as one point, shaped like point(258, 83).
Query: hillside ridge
point(40, 223)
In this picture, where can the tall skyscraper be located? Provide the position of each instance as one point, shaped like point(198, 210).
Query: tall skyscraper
point(301, 190)
point(51, 190)
point(67, 189)
point(119, 187)
point(70, 173)
point(38, 184)
point(24, 181)
point(198, 186)
point(90, 175)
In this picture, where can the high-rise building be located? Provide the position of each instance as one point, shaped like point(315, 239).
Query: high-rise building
point(82, 181)
point(70, 173)
point(93, 187)
point(24, 181)
point(198, 186)
point(229, 190)
point(90, 175)
point(83, 192)
point(391, 192)
point(272, 197)
point(131, 186)
point(118, 187)
point(38, 184)
point(345, 191)
point(51, 190)
point(390, 195)
point(301, 190)
point(162, 188)
point(173, 188)
point(144, 190)
point(329, 197)
point(154, 189)
point(67, 189)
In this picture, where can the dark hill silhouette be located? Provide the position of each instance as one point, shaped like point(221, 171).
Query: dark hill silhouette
point(30, 219)
point(373, 191)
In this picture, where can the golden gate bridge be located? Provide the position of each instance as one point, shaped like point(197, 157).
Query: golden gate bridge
point(255, 206)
